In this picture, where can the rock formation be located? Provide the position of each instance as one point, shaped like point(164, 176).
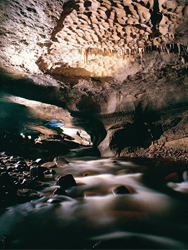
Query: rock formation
point(115, 67)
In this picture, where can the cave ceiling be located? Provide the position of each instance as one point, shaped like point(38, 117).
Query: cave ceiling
point(101, 57)
point(89, 37)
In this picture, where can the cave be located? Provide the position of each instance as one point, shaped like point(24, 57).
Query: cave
point(93, 124)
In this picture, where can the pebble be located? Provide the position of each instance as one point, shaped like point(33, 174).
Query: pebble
point(18, 182)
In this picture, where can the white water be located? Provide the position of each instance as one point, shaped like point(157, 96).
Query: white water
point(94, 216)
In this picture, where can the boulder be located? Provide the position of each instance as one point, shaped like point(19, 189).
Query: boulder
point(66, 181)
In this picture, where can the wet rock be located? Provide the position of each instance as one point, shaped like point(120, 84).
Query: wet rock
point(26, 174)
point(121, 190)
point(174, 177)
point(38, 160)
point(50, 171)
point(59, 199)
point(50, 164)
point(37, 185)
point(21, 165)
point(2, 166)
point(6, 179)
point(23, 182)
point(13, 160)
point(60, 191)
point(24, 195)
point(37, 171)
point(60, 161)
point(27, 183)
point(10, 168)
point(66, 181)
point(54, 200)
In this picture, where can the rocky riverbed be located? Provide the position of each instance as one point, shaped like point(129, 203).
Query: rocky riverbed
point(89, 202)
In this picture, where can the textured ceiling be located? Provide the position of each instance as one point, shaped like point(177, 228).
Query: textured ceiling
point(89, 37)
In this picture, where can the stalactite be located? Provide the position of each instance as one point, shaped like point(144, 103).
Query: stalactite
point(86, 53)
point(167, 49)
point(175, 48)
point(179, 48)
point(183, 60)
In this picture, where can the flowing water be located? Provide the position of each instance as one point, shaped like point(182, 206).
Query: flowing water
point(150, 214)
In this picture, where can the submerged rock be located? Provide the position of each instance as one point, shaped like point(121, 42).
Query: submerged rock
point(121, 190)
point(59, 199)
